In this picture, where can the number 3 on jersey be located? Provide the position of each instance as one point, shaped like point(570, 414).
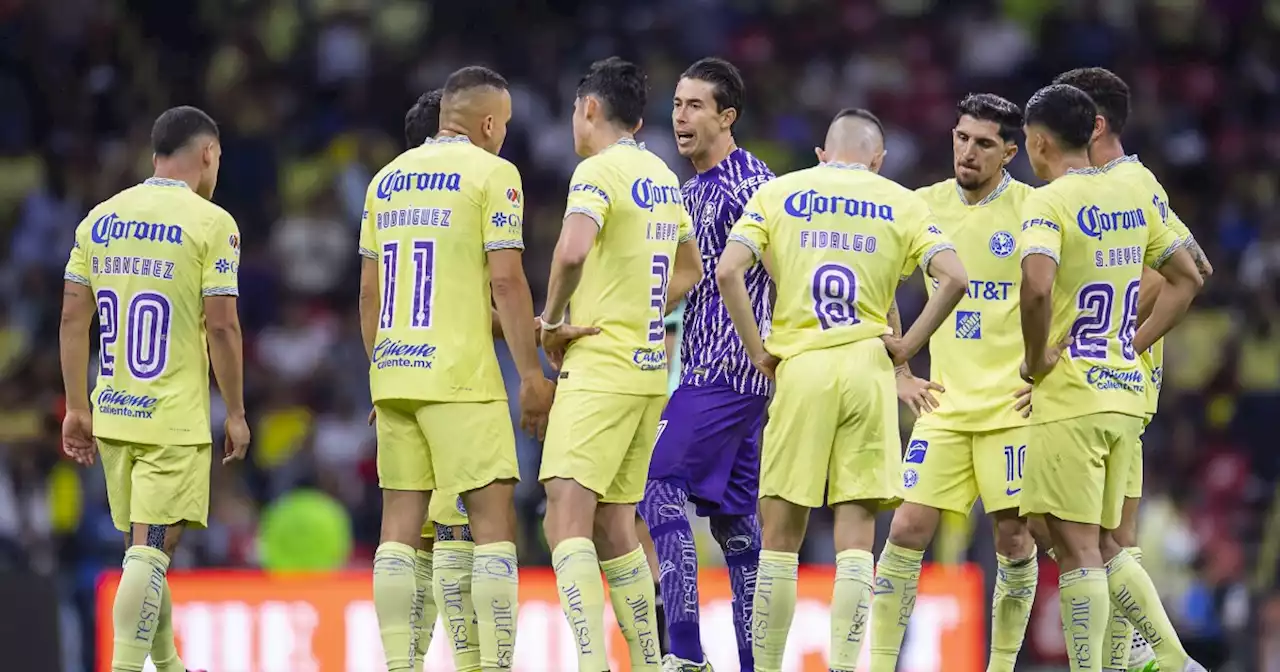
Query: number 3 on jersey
point(149, 316)
point(1089, 333)
point(423, 257)
point(835, 295)
point(658, 297)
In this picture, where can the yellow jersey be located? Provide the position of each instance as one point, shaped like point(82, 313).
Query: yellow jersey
point(977, 353)
point(1100, 232)
point(151, 253)
point(842, 238)
point(430, 215)
point(1143, 183)
point(635, 200)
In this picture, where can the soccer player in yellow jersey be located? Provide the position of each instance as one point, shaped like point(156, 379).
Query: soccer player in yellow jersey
point(1111, 95)
point(626, 244)
point(442, 241)
point(158, 264)
point(974, 443)
point(1085, 237)
point(841, 238)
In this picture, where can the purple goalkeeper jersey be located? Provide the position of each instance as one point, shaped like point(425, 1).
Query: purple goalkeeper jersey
point(711, 352)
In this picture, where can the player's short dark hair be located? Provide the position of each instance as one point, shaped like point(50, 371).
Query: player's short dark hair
point(860, 113)
point(621, 85)
point(1066, 111)
point(993, 108)
point(422, 121)
point(1107, 90)
point(473, 77)
point(179, 125)
point(723, 76)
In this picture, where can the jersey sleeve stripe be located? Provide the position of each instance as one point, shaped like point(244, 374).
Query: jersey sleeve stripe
point(738, 238)
point(221, 291)
point(368, 253)
point(688, 237)
point(1037, 249)
point(928, 256)
point(1168, 253)
point(76, 278)
point(595, 217)
point(504, 245)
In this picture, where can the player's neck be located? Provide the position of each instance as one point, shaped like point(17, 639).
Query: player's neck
point(167, 170)
point(607, 136)
point(1069, 162)
point(717, 153)
point(1106, 149)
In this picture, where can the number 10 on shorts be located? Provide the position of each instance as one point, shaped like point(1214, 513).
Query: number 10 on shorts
point(1015, 457)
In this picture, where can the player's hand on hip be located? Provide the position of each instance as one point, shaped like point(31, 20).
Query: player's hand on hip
point(1022, 402)
point(1035, 370)
point(556, 341)
point(536, 395)
point(237, 442)
point(766, 364)
point(77, 436)
point(917, 393)
point(897, 349)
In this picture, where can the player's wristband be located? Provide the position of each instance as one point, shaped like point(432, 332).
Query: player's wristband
point(548, 326)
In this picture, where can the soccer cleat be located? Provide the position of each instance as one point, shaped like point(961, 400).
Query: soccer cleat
point(672, 664)
point(1141, 657)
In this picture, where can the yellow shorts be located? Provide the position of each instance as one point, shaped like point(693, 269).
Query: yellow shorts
point(1077, 468)
point(833, 428)
point(603, 441)
point(453, 447)
point(948, 469)
point(1133, 489)
point(156, 485)
point(446, 510)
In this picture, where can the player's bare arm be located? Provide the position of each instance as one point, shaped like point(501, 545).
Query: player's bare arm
point(514, 304)
point(73, 335)
point(370, 303)
point(577, 235)
point(1197, 254)
point(946, 268)
point(916, 393)
point(1036, 306)
point(1182, 282)
point(734, 262)
point(226, 356)
point(687, 273)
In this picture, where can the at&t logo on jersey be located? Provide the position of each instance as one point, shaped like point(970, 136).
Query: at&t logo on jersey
point(806, 204)
point(110, 227)
point(647, 193)
point(1095, 223)
point(389, 353)
point(968, 324)
point(398, 180)
point(1002, 244)
point(120, 402)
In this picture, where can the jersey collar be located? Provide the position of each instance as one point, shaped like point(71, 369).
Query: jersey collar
point(1131, 158)
point(165, 182)
point(625, 142)
point(1085, 171)
point(1005, 180)
point(844, 166)
point(447, 139)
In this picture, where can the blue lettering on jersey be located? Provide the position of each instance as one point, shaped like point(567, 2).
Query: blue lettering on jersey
point(755, 216)
point(389, 353)
point(647, 193)
point(915, 451)
point(806, 204)
point(837, 240)
point(226, 266)
point(1047, 223)
point(968, 324)
point(590, 189)
point(1002, 244)
point(650, 359)
point(110, 227)
point(1106, 378)
point(120, 402)
point(986, 290)
point(1161, 206)
point(1118, 256)
point(1094, 222)
point(398, 180)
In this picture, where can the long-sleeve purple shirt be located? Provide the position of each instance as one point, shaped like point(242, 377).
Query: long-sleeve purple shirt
point(711, 352)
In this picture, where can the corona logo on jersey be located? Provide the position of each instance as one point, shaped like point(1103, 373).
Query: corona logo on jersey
point(398, 180)
point(110, 227)
point(1095, 223)
point(806, 204)
point(249, 622)
point(647, 193)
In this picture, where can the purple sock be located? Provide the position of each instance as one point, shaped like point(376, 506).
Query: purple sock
point(739, 538)
point(663, 510)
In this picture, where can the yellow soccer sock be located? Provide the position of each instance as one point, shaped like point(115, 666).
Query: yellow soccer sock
point(1013, 596)
point(897, 581)
point(453, 567)
point(577, 570)
point(496, 584)
point(773, 608)
point(424, 607)
point(1085, 609)
point(395, 596)
point(1136, 597)
point(164, 652)
point(850, 608)
point(632, 595)
point(137, 607)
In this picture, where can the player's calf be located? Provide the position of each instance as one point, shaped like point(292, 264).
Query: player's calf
point(141, 613)
point(630, 583)
point(495, 578)
point(663, 510)
point(1015, 589)
point(898, 580)
point(396, 598)
point(739, 538)
point(851, 598)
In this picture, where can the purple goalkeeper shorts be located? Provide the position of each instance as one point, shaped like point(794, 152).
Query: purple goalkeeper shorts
point(709, 446)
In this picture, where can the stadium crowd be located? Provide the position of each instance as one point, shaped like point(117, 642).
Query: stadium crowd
point(311, 95)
